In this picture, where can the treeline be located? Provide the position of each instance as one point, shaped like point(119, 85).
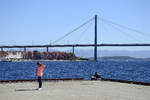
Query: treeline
point(3, 54)
point(35, 55)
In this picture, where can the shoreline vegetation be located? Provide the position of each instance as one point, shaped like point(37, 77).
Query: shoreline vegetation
point(54, 56)
point(35, 55)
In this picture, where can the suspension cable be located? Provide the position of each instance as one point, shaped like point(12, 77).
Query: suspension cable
point(59, 39)
point(117, 28)
point(84, 31)
point(125, 27)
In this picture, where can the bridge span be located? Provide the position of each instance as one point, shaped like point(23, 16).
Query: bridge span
point(70, 45)
point(95, 44)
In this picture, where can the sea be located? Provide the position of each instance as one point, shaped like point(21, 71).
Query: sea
point(131, 70)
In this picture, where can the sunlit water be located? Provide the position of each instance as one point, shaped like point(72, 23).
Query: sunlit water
point(133, 70)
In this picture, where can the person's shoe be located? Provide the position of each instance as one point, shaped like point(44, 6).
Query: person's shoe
point(39, 88)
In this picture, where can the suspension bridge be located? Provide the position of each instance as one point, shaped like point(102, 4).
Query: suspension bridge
point(95, 44)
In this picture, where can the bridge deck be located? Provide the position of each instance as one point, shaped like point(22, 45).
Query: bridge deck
point(71, 45)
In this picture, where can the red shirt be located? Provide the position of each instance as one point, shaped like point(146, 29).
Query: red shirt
point(40, 70)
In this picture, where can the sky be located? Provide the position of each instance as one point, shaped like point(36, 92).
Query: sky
point(40, 22)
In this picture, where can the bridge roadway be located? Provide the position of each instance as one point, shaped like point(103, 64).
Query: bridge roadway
point(71, 45)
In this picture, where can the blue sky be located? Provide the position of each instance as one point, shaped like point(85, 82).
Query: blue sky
point(32, 22)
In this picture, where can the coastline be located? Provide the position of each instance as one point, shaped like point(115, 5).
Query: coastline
point(109, 58)
point(26, 60)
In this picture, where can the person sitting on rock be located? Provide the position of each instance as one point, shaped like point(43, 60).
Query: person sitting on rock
point(96, 76)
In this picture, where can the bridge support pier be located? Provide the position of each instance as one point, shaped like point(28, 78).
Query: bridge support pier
point(46, 49)
point(24, 49)
point(24, 53)
point(1, 49)
point(73, 50)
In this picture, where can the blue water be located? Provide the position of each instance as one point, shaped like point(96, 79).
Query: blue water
point(133, 70)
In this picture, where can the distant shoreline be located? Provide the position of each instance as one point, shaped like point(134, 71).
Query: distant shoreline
point(119, 58)
point(83, 59)
point(36, 60)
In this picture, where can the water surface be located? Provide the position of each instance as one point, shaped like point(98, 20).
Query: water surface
point(133, 70)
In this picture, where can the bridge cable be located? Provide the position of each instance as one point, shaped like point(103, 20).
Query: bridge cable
point(123, 32)
point(125, 27)
point(59, 39)
point(83, 32)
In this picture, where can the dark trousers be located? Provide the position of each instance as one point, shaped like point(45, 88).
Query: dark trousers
point(40, 82)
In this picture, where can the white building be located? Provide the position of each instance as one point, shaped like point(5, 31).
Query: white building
point(17, 55)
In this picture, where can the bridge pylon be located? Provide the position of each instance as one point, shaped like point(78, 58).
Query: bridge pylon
point(95, 39)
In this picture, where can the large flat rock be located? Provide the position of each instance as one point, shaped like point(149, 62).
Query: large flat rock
point(74, 90)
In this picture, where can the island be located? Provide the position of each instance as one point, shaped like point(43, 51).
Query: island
point(37, 55)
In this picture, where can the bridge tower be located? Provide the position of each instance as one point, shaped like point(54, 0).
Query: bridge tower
point(95, 38)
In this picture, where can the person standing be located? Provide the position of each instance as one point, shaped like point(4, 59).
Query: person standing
point(40, 74)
